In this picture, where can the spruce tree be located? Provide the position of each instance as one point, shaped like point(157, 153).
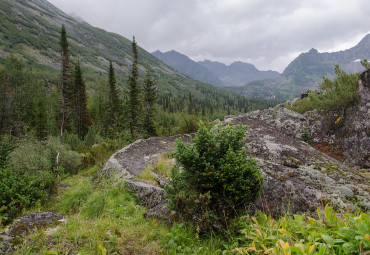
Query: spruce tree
point(114, 101)
point(190, 105)
point(150, 97)
point(40, 116)
point(4, 91)
point(133, 92)
point(82, 116)
point(66, 86)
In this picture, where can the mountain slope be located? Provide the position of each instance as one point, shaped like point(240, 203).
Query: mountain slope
point(306, 72)
point(187, 66)
point(238, 73)
point(30, 31)
point(216, 73)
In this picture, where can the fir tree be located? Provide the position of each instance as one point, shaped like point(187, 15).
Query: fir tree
point(134, 91)
point(40, 117)
point(4, 102)
point(82, 119)
point(66, 86)
point(150, 96)
point(114, 102)
point(190, 105)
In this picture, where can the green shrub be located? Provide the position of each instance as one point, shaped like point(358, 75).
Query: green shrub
point(34, 155)
point(217, 178)
point(20, 191)
point(306, 136)
point(337, 94)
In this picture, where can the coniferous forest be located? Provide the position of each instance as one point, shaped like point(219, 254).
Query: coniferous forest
point(66, 121)
point(59, 126)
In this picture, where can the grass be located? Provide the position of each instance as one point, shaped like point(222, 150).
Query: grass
point(105, 215)
point(162, 168)
point(106, 218)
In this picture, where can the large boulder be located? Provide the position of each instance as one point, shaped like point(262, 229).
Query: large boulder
point(298, 177)
point(127, 163)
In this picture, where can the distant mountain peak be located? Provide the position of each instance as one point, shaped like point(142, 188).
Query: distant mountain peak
point(313, 51)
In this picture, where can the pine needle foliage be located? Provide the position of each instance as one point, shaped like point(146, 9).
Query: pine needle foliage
point(82, 120)
point(217, 178)
point(134, 101)
point(114, 101)
point(66, 86)
point(150, 96)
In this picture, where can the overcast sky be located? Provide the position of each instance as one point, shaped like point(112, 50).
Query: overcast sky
point(266, 33)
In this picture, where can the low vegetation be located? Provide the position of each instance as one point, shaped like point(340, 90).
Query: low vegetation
point(336, 95)
point(217, 179)
point(299, 234)
point(107, 218)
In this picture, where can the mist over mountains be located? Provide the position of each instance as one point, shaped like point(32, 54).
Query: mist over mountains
point(304, 73)
point(216, 73)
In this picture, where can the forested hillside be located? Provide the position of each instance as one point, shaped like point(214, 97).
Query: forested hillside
point(30, 32)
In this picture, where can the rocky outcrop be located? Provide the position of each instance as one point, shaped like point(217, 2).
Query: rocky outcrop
point(22, 226)
point(297, 177)
point(132, 160)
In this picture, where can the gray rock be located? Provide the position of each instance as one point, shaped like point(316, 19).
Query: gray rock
point(132, 160)
point(25, 224)
point(148, 194)
point(161, 212)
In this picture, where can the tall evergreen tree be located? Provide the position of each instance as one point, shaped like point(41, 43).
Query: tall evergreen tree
point(82, 119)
point(150, 96)
point(66, 86)
point(190, 105)
point(4, 91)
point(40, 116)
point(134, 91)
point(114, 101)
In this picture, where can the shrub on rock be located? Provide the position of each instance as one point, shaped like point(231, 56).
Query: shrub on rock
point(217, 179)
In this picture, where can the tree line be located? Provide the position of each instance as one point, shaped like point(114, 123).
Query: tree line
point(38, 103)
point(30, 103)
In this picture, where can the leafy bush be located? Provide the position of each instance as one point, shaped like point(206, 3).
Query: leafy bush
point(337, 95)
point(299, 234)
point(217, 178)
point(34, 156)
point(20, 191)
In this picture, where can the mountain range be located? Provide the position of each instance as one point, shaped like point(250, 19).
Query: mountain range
point(304, 73)
point(30, 31)
point(216, 73)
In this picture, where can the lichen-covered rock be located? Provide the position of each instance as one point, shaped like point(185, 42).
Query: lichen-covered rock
point(161, 212)
point(298, 178)
point(148, 194)
point(132, 160)
point(22, 226)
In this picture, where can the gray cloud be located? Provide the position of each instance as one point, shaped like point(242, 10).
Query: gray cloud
point(268, 34)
